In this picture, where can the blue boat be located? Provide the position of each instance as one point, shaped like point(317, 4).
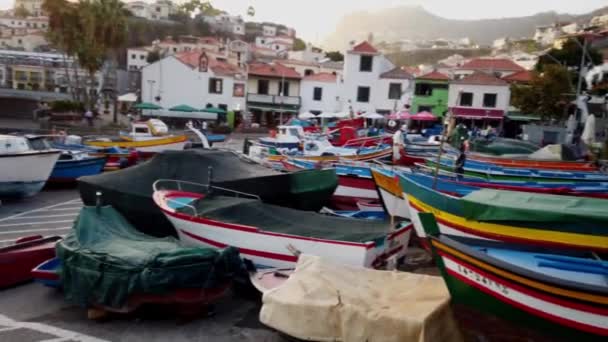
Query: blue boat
point(72, 165)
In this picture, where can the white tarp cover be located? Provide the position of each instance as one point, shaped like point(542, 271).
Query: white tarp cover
point(326, 301)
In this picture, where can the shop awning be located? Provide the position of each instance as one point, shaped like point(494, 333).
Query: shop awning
point(271, 109)
point(477, 113)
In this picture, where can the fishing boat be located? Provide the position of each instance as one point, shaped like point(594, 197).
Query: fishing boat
point(273, 236)
point(354, 181)
point(116, 157)
point(23, 169)
point(392, 196)
point(562, 295)
point(534, 164)
point(147, 138)
point(47, 273)
point(130, 190)
point(18, 259)
point(526, 218)
point(74, 164)
point(497, 173)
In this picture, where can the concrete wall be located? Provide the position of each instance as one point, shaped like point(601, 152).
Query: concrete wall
point(328, 103)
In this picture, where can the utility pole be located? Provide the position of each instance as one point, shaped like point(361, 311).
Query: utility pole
point(579, 84)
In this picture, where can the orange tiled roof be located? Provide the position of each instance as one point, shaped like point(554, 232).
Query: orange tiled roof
point(272, 70)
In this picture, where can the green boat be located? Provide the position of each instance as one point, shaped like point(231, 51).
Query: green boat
point(130, 190)
point(498, 173)
point(558, 295)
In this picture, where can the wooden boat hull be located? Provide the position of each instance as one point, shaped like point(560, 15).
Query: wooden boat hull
point(70, 170)
point(149, 146)
point(24, 174)
point(270, 249)
point(449, 214)
point(380, 154)
point(18, 260)
point(391, 194)
point(494, 289)
point(536, 164)
point(351, 190)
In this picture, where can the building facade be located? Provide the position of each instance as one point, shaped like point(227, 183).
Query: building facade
point(273, 93)
point(194, 79)
point(319, 93)
point(159, 10)
point(34, 7)
point(431, 94)
point(500, 67)
point(479, 96)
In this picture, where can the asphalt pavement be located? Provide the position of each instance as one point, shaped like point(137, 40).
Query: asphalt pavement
point(33, 313)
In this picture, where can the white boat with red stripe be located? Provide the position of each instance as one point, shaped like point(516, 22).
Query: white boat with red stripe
point(268, 239)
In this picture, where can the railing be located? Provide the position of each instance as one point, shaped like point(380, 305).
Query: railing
point(274, 99)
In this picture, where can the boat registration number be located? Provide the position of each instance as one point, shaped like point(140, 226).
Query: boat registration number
point(482, 280)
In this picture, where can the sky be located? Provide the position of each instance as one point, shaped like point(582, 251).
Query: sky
point(315, 19)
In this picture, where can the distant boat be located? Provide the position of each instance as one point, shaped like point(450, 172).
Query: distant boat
point(146, 137)
point(23, 169)
point(74, 164)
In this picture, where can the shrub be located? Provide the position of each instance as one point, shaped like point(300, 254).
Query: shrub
point(67, 106)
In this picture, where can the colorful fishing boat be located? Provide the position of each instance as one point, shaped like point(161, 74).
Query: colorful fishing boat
point(146, 137)
point(497, 173)
point(392, 196)
point(511, 216)
point(534, 164)
point(74, 164)
point(563, 296)
point(273, 236)
point(17, 260)
point(116, 158)
point(24, 169)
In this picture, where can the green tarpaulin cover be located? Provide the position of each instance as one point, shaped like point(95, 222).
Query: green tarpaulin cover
point(104, 260)
point(277, 219)
point(492, 205)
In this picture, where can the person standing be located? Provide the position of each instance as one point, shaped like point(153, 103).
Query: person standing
point(460, 161)
point(399, 143)
point(88, 115)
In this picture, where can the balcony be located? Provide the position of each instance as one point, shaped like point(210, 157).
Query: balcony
point(274, 101)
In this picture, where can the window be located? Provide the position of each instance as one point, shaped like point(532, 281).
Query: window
point(317, 94)
point(426, 89)
point(394, 91)
point(308, 72)
point(284, 88)
point(157, 9)
point(489, 100)
point(263, 87)
point(466, 99)
point(133, 56)
point(425, 109)
point(215, 85)
point(363, 94)
point(366, 63)
point(19, 41)
point(174, 49)
point(276, 47)
point(141, 130)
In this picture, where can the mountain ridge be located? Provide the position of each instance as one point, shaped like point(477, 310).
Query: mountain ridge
point(415, 22)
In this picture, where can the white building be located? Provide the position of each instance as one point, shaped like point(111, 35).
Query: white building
point(500, 43)
point(395, 89)
point(479, 96)
point(310, 54)
point(225, 22)
point(601, 20)
point(160, 10)
point(137, 58)
point(30, 23)
point(362, 86)
point(571, 28)
point(500, 67)
point(319, 93)
point(194, 79)
point(546, 35)
point(29, 41)
point(34, 7)
point(269, 30)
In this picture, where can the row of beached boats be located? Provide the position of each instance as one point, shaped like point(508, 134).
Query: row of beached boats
point(514, 238)
point(27, 162)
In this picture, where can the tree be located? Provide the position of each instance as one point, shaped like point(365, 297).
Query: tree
point(335, 56)
point(153, 56)
point(299, 44)
point(547, 95)
point(22, 12)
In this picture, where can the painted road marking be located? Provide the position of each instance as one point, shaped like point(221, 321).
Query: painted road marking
point(66, 209)
point(42, 216)
point(32, 230)
point(34, 223)
point(40, 209)
point(62, 334)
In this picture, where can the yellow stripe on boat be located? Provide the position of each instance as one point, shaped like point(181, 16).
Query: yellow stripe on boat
point(140, 143)
point(519, 279)
point(551, 236)
point(388, 183)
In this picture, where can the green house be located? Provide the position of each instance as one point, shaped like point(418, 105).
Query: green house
point(431, 94)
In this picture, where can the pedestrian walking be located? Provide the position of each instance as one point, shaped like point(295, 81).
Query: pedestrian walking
point(88, 115)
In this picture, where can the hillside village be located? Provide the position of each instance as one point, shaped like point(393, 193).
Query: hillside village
point(263, 72)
